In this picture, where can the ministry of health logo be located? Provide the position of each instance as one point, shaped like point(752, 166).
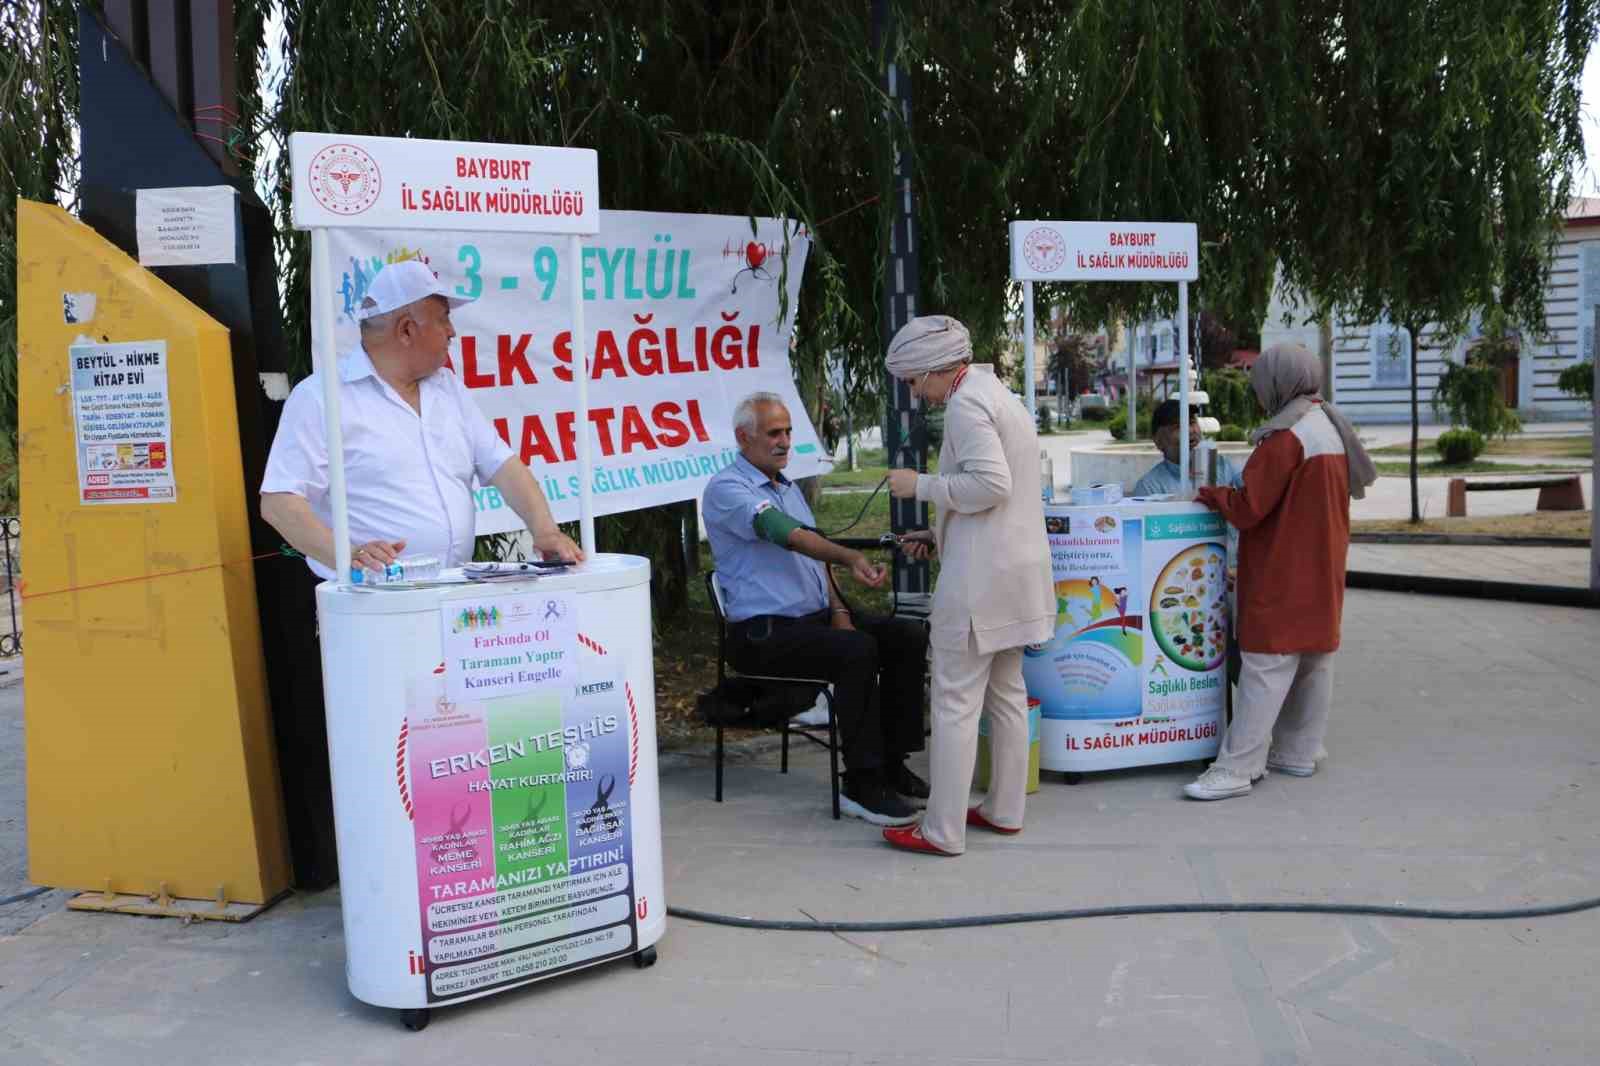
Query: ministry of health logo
point(1044, 249)
point(345, 179)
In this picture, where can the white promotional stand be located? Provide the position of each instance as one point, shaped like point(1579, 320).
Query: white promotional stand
point(1136, 673)
point(492, 745)
point(454, 887)
point(1043, 250)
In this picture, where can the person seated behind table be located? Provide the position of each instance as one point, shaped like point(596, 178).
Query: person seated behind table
point(1166, 476)
point(786, 617)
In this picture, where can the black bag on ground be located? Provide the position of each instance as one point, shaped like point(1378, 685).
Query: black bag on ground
point(728, 703)
point(778, 702)
point(755, 704)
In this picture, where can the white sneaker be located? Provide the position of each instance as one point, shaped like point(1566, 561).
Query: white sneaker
point(1217, 783)
point(1293, 769)
point(816, 716)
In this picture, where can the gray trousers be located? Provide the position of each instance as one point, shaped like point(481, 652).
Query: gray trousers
point(963, 685)
point(1282, 704)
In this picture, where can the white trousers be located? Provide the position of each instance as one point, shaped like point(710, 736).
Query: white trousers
point(1282, 705)
point(965, 684)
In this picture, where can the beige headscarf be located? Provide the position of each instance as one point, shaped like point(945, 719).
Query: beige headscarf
point(1287, 380)
point(928, 342)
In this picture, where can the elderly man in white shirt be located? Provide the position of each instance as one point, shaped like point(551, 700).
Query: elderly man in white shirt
point(413, 441)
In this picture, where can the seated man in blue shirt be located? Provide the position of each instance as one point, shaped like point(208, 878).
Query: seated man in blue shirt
point(786, 617)
point(1166, 476)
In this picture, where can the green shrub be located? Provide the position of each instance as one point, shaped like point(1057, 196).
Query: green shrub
point(1230, 398)
point(1578, 380)
point(1045, 417)
point(1231, 432)
point(1459, 446)
point(1119, 422)
point(1470, 393)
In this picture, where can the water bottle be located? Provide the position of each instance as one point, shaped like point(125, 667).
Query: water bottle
point(1047, 479)
point(405, 569)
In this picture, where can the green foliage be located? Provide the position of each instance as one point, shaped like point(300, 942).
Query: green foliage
point(1469, 392)
point(1578, 380)
point(39, 102)
point(1143, 409)
point(1425, 155)
point(1231, 432)
point(1045, 417)
point(1231, 399)
point(1459, 445)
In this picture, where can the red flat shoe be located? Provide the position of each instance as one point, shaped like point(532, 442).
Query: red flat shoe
point(910, 838)
point(975, 817)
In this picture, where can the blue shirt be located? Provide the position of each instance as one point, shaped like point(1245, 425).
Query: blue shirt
point(1165, 478)
point(756, 575)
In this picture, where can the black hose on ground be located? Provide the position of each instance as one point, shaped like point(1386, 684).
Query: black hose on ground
point(968, 921)
point(21, 896)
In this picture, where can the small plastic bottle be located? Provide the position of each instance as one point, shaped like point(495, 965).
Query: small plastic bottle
point(412, 568)
point(1047, 478)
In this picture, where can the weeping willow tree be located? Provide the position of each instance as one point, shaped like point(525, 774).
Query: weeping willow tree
point(1434, 162)
point(39, 101)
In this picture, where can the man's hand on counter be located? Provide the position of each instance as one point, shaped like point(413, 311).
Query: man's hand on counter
point(1208, 495)
point(554, 544)
point(374, 555)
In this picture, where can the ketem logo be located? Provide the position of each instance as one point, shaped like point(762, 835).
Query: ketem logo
point(345, 179)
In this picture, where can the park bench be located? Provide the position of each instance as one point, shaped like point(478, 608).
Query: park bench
point(1557, 492)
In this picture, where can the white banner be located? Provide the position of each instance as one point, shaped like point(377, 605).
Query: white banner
point(682, 317)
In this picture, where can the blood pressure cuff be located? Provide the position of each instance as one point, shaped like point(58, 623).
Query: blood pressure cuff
point(771, 524)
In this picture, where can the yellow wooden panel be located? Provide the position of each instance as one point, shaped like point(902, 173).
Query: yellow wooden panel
point(149, 741)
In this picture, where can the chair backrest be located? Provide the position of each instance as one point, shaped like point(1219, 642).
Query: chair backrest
point(714, 594)
point(714, 591)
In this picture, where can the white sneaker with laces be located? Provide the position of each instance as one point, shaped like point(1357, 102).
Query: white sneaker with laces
point(1293, 769)
point(1217, 783)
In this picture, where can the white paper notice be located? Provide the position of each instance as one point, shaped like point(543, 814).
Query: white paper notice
point(504, 645)
point(1086, 544)
point(187, 227)
point(123, 418)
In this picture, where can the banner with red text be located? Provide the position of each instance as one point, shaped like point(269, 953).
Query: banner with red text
point(682, 320)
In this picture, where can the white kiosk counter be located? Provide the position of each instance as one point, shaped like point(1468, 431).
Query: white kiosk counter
point(1137, 671)
point(494, 780)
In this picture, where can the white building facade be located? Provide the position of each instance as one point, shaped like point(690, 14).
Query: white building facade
point(1371, 361)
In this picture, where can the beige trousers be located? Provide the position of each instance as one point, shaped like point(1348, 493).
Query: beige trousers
point(963, 685)
point(1282, 704)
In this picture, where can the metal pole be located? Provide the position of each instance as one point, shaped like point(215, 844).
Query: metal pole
point(1027, 349)
point(904, 446)
point(580, 371)
point(327, 364)
point(1133, 383)
point(1186, 485)
point(1594, 527)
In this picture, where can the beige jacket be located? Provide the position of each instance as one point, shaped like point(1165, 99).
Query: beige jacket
point(994, 576)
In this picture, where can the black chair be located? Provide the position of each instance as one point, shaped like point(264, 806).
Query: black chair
point(724, 671)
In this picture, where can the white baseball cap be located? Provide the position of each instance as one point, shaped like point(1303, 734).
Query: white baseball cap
point(400, 284)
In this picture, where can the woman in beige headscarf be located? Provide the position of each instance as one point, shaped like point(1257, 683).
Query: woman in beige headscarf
point(1293, 517)
point(994, 594)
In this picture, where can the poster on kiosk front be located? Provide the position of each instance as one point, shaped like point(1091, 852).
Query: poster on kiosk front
point(1135, 673)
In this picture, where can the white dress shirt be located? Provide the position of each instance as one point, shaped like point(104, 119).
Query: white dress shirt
point(408, 476)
